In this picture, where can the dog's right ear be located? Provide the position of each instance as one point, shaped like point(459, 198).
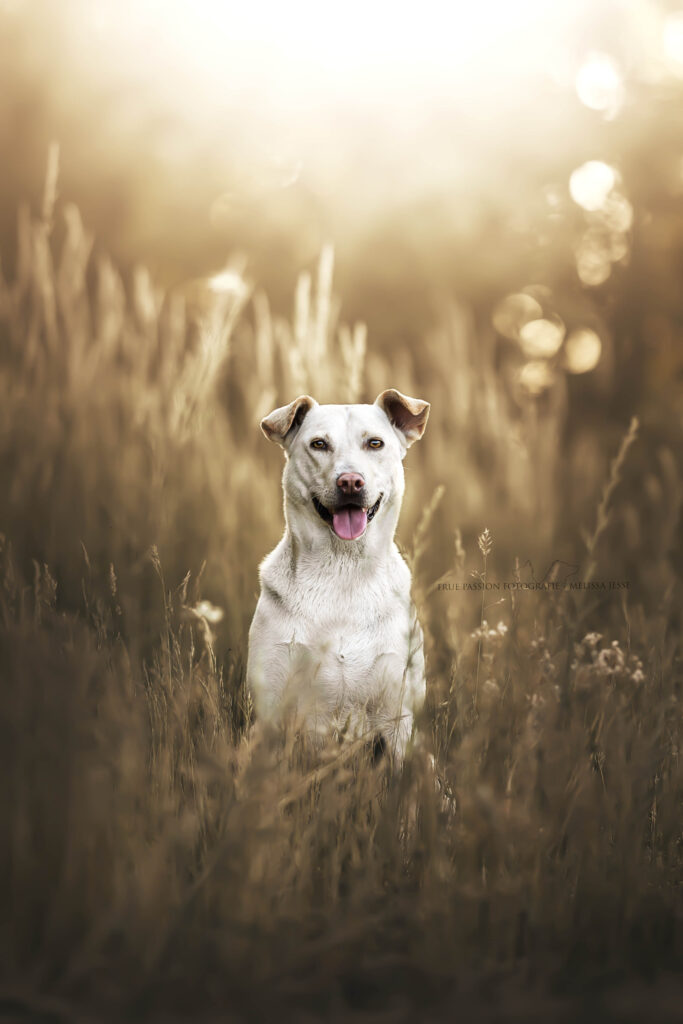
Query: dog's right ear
point(282, 424)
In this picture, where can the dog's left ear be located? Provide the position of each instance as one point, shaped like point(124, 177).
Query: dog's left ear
point(282, 424)
point(407, 415)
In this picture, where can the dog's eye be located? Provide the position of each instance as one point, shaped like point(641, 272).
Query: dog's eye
point(375, 442)
point(320, 443)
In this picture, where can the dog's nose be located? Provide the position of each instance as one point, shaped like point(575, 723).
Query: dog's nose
point(350, 483)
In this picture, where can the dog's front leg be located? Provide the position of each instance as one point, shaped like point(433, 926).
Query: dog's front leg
point(399, 737)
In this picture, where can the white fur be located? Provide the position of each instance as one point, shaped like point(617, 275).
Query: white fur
point(335, 638)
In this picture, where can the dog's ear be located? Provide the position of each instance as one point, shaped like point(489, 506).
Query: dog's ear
point(282, 424)
point(407, 415)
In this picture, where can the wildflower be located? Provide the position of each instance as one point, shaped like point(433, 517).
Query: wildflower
point(486, 632)
point(208, 611)
point(202, 616)
point(610, 660)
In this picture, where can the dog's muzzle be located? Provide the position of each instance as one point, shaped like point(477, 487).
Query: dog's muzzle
point(348, 521)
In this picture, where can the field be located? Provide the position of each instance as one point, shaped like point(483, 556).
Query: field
point(162, 858)
point(155, 859)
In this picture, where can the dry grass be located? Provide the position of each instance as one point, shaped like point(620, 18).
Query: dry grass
point(154, 860)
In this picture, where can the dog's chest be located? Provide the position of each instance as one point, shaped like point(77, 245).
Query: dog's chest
point(353, 654)
point(334, 640)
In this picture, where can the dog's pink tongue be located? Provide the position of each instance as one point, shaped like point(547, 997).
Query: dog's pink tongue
point(349, 523)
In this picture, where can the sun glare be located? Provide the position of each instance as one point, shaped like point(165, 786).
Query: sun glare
point(673, 40)
point(304, 51)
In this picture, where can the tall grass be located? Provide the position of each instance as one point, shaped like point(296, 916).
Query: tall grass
point(157, 858)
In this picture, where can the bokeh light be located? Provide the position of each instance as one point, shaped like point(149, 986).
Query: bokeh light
point(591, 183)
point(617, 213)
point(606, 239)
point(593, 263)
point(600, 85)
point(536, 376)
point(516, 310)
point(582, 350)
point(542, 338)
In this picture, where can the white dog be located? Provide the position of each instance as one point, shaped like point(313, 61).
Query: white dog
point(335, 638)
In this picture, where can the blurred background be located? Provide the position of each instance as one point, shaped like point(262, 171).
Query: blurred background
point(470, 152)
point(500, 189)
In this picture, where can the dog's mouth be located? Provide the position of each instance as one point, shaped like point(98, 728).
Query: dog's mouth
point(349, 522)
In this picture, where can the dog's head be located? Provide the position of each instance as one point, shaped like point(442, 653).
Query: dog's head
point(344, 474)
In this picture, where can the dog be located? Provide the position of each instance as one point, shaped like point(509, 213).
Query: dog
point(335, 639)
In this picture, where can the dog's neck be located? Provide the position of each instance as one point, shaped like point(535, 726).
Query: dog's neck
point(309, 543)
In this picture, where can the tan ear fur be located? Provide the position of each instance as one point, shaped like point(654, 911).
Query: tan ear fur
point(408, 415)
point(282, 424)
